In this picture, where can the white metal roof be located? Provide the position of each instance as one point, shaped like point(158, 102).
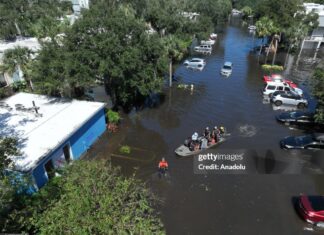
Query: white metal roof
point(38, 135)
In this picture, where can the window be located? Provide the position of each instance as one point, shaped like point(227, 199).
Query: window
point(280, 88)
point(271, 87)
point(287, 89)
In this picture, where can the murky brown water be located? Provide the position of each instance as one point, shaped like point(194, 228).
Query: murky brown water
point(218, 204)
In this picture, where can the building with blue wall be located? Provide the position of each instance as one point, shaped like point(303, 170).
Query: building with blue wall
point(51, 131)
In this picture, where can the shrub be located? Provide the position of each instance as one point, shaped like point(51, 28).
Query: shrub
point(272, 68)
point(125, 149)
point(19, 86)
point(113, 117)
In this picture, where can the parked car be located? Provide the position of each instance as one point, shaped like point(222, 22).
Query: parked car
point(278, 78)
point(208, 42)
point(252, 27)
point(311, 141)
point(271, 87)
point(289, 98)
point(203, 48)
point(311, 209)
point(227, 68)
point(282, 92)
point(196, 63)
point(296, 118)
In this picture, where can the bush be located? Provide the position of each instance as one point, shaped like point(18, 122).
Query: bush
point(113, 117)
point(19, 86)
point(272, 68)
point(125, 149)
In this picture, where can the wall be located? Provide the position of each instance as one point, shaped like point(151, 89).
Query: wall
point(80, 142)
point(88, 134)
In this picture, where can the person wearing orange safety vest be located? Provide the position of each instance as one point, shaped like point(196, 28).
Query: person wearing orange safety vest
point(163, 165)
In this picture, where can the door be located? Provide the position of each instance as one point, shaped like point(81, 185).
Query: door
point(67, 153)
point(49, 168)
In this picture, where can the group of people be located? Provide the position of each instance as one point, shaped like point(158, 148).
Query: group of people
point(208, 138)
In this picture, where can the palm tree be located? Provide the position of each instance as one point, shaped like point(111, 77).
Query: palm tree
point(15, 59)
point(276, 39)
point(265, 28)
point(174, 51)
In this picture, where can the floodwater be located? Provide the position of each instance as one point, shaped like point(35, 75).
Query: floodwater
point(258, 203)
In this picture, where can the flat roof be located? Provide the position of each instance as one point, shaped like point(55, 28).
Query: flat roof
point(40, 134)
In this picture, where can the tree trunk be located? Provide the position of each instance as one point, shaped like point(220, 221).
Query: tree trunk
point(170, 72)
point(261, 47)
point(17, 28)
point(275, 52)
point(289, 48)
point(266, 58)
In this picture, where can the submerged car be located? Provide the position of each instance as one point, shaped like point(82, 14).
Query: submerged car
point(196, 63)
point(227, 68)
point(312, 141)
point(311, 209)
point(203, 48)
point(296, 118)
point(289, 98)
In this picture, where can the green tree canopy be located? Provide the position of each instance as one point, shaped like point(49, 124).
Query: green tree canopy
point(19, 17)
point(318, 92)
point(88, 198)
point(8, 147)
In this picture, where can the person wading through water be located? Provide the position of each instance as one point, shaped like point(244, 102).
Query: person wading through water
point(163, 166)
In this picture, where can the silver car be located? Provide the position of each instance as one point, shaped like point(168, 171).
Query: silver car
point(289, 98)
point(227, 69)
point(195, 63)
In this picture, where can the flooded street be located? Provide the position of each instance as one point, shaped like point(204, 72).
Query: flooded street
point(214, 203)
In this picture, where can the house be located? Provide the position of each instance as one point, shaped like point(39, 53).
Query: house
point(30, 43)
point(78, 5)
point(317, 36)
point(51, 132)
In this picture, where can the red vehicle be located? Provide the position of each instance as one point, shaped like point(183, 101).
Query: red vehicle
point(311, 208)
point(278, 78)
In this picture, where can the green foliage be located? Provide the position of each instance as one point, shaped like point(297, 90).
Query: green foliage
point(272, 68)
point(107, 204)
point(125, 149)
point(266, 27)
point(19, 86)
point(19, 17)
point(8, 147)
point(113, 117)
point(14, 59)
point(318, 92)
point(247, 11)
point(110, 42)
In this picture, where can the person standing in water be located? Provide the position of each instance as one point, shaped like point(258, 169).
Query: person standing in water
point(163, 166)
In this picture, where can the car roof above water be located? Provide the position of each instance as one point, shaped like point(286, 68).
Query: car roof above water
point(227, 63)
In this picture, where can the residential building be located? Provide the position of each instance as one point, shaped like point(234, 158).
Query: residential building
point(78, 5)
point(51, 131)
point(317, 36)
point(30, 43)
